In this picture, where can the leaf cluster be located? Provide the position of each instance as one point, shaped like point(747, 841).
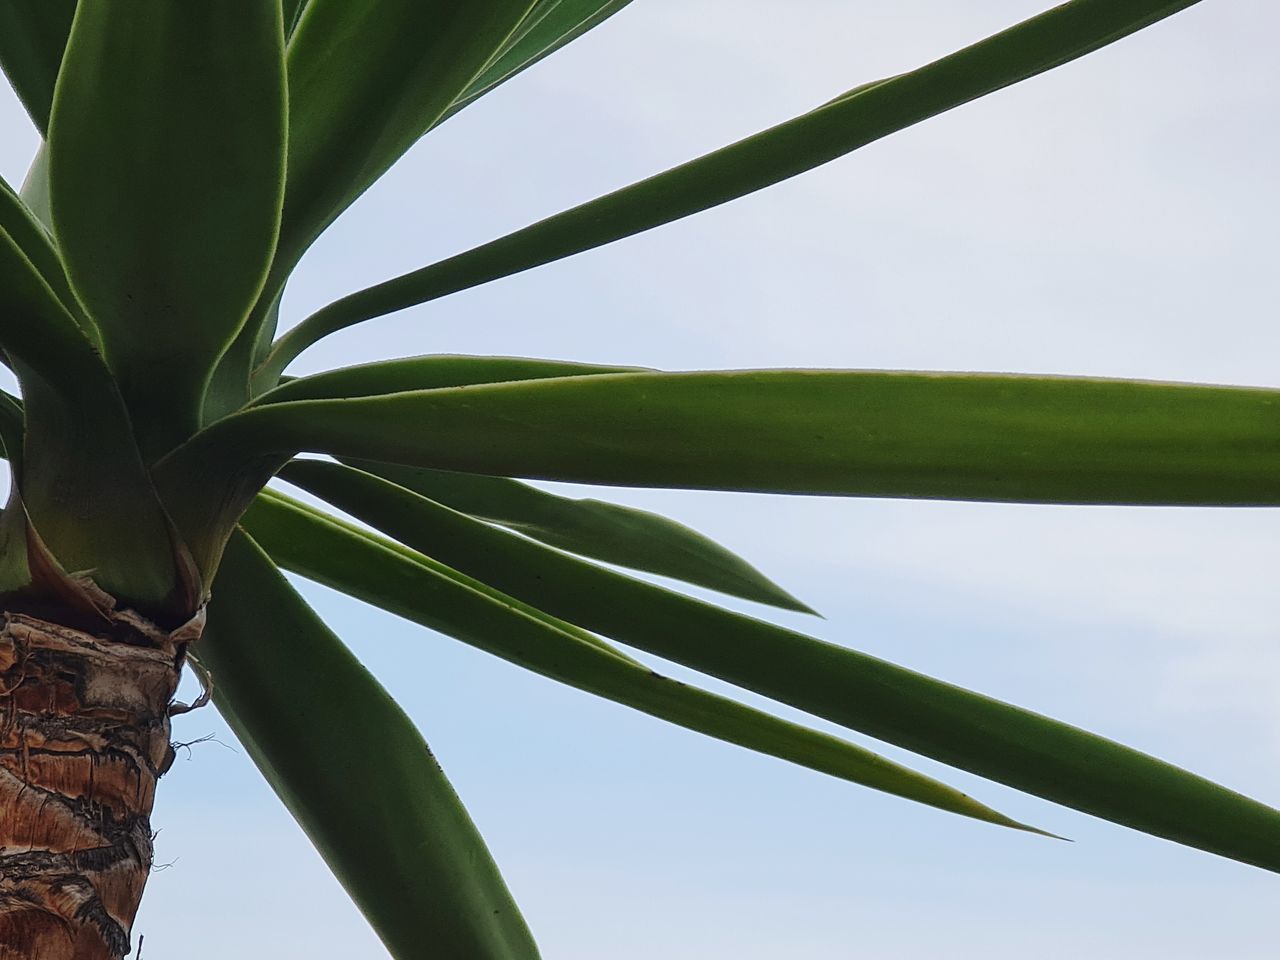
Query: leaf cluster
point(192, 152)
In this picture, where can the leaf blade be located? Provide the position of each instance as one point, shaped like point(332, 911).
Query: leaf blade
point(33, 35)
point(85, 488)
point(1066, 32)
point(403, 61)
point(1010, 438)
point(430, 372)
point(416, 587)
point(609, 532)
point(625, 536)
point(166, 175)
point(35, 243)
point(418, 869)
point(996, 740)
point(562, 22)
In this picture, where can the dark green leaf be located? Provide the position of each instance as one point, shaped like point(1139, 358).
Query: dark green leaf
point(416, 587)
point(606, 531)
point(11, 430)
point(551, 25)
point(352, 769)
point(593, 528)
point(366, 79)
point(33, 240)
point(984, 736)
point(35, 325)
point(35, 188)
point(167, 167)
point(941, 436)
point(33, 34)
point(843, 125)
point(292, 12)
point(84, 485)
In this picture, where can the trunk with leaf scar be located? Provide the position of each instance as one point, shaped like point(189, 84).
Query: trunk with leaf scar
point(85, 703)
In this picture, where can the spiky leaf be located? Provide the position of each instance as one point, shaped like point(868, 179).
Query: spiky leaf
point(354, 771)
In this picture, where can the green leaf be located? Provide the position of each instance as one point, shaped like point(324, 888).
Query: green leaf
point(426, 592)
point(550, 26)
point(854, 433)
point(366, 79)
point(1046, 41)
point(167, 166)
point(427, 373)
point(353, 771)
point(33, 34)
point(401, 64)
point(592, 528)
point(984, 736)
point(84, 486)
point(35, 325)
point(35, 188)
point(33, 241)
point(12, 428)
point(292, 11)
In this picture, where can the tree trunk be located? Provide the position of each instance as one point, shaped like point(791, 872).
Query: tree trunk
point(84, 735)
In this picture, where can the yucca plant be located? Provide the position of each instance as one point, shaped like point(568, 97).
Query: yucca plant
point(192, 153)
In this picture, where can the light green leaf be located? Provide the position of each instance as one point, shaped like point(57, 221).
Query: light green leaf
point(353, 771)
point(592, 528)
point(550, 26)
point(984, 736)
point(366, 79)
point(167, 166)
point(1046, 41)
point(426, 592)
point(33, 34)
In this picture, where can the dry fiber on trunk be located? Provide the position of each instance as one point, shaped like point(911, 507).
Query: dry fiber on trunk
point(84, 735)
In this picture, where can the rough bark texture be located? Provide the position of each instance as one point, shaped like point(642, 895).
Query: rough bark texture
point(84, 735)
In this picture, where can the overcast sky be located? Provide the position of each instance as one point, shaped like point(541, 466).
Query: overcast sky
point(1115, 217)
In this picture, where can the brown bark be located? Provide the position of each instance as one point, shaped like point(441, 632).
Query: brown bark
point(84, 735)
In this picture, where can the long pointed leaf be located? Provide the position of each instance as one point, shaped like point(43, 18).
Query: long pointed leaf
point(292, 11)
point(352, 769)
point(35, 188)
point(851, 433)
point(634, 538)
point(83, 482)
point(366, 79)
point(984, 736)
point(33, 35)
point(427, 373)
point(593, 528)
point(1062, 34)
point(560, 23)
point(36, 326)
point(426, 592)
point(30, 236)
point(167, 167)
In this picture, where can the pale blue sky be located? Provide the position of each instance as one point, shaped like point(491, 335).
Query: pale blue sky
point(1114, 217)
